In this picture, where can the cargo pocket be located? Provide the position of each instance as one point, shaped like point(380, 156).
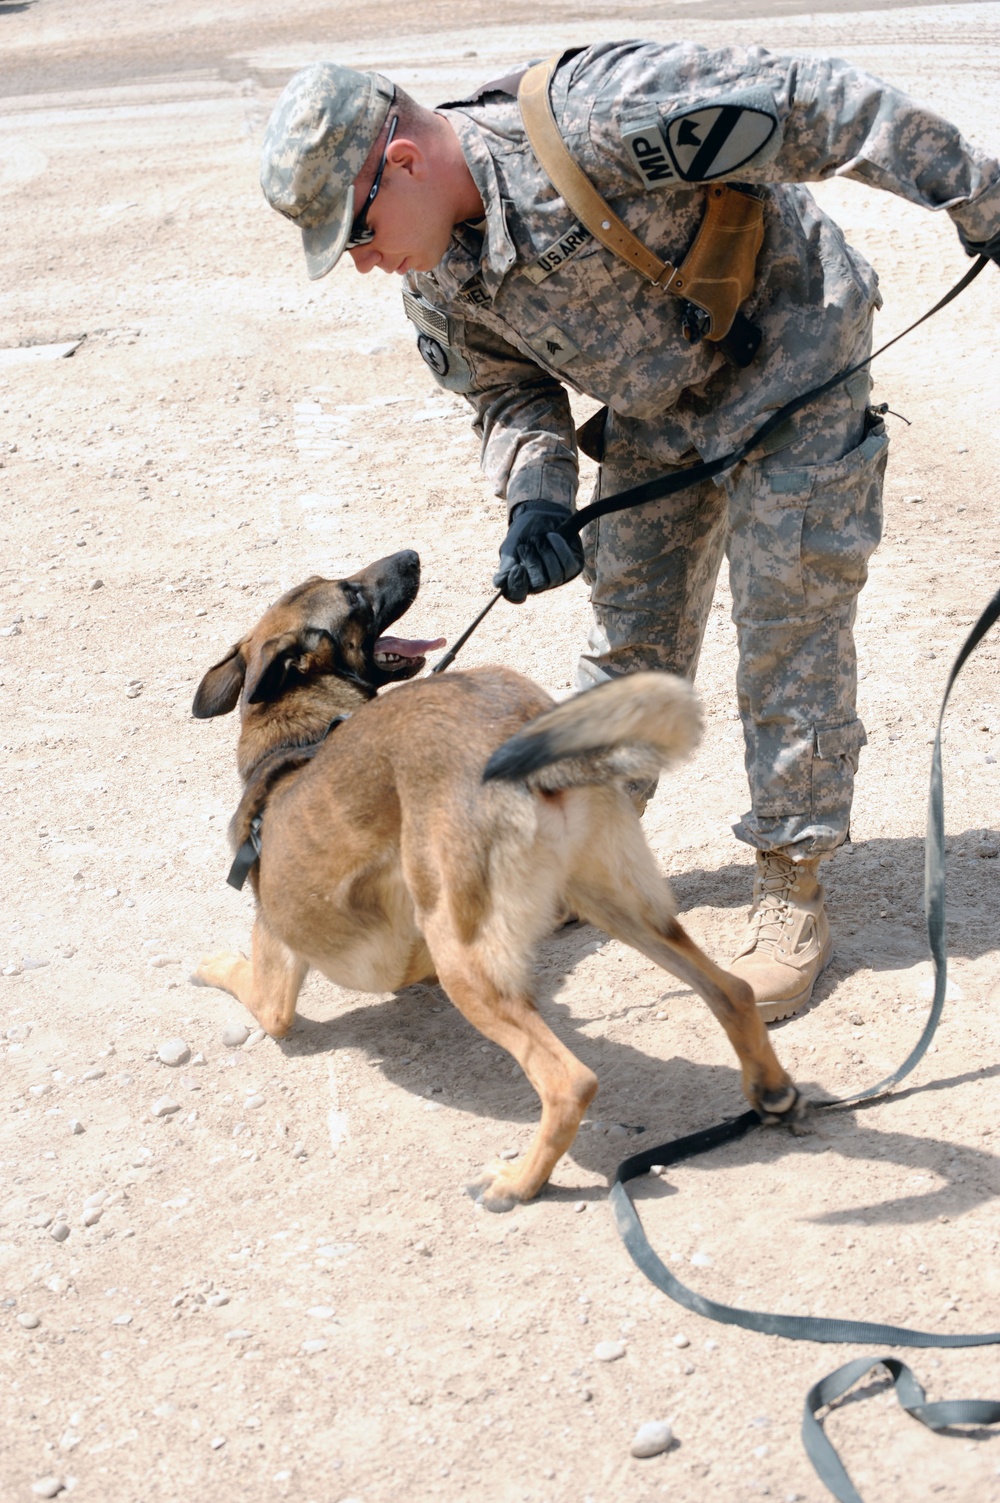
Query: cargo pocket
point(802, 536)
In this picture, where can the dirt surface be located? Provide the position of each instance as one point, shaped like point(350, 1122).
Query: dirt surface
point(286, 1292)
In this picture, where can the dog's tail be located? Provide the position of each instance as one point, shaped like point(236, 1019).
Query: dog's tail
point(628, 728)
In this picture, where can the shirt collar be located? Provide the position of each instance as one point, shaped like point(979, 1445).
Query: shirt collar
point(497, 254)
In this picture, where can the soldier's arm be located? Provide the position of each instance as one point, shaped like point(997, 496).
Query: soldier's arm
point(522, 414)
point(682, 115)
point(846, 123)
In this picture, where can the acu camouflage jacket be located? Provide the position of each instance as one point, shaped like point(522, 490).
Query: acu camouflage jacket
point(527, 300)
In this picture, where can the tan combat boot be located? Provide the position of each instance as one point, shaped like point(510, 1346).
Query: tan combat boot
point(788, 937)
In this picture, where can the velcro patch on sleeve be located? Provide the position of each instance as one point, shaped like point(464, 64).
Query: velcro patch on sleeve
point(707, 141)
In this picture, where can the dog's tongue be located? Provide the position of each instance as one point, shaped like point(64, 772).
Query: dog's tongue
point(409, 649)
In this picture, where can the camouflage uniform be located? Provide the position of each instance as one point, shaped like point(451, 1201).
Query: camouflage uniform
point(527, 303)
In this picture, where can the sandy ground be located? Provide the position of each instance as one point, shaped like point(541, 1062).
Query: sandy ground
point(295, 1298)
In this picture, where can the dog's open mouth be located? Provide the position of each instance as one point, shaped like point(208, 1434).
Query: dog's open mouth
point(392, 653)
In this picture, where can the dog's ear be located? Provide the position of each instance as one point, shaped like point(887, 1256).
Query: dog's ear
point(269, 668)
point(220, 688)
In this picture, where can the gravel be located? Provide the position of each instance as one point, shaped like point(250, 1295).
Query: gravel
point(235, 1035)
point(28, 1321)
point(59, 1231)
point(164, 1107)
point(173, 1052)
point(47, 1487)
point(652, 1438)
point(609, 1351)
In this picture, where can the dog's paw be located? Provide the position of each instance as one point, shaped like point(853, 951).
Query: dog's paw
point(784, 1106)
point(215, 970)
point(494, 1190)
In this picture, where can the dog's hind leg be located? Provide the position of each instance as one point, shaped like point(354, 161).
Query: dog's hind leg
point(506, 1014)
point(632, 903)
point(268, 985)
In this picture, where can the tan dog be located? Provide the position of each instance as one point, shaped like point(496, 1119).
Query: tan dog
point(439, 832)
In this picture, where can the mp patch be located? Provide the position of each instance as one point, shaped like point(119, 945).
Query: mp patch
point(707, 142)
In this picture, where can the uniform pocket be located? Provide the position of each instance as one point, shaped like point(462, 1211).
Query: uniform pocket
point(802, 537)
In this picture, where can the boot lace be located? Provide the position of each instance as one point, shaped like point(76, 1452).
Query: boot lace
point(772, 910)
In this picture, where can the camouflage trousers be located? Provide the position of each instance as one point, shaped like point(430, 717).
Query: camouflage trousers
point(798, 526)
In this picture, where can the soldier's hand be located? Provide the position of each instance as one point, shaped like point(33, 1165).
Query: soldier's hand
point(534, 556)
point(989, 248)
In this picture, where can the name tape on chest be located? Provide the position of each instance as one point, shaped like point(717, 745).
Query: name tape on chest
point(559, 251)
point(700, 145)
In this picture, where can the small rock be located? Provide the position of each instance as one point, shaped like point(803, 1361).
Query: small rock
point(298, 1151)
point(123, 1078)
point(110, 892)
point(652, 1438)
point(97, 584)
point(141, 1158)
point(189, 1083)
point(253, 1102)
point(217, 1299)
point(237, 1334)
point(42, 1089)
point(320, 1312)
point(217, 1442)
point(317, 1344)
point(173, 1052)
point(701, 1260)
point(235, 1035)
point(97, 1199)
point(579, 1205)
point(255, 1038)
point(76, 1127)
point(28, 1321)
point(508, 1153)
point(12, 970)
point(69, 1440)
point(680, 1340)
point(609, 1351)
point(92, 1215)
point(19, 1033)
point(122, 1320)
point(42, 1220)
point(198, 1059)
point(48, 1487)
point(164, 1107)
point(95, 1074)
point(59, 1231)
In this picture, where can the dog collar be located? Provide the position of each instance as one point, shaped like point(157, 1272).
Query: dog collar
point(249, 852)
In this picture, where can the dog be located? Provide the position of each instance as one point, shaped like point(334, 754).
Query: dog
point(438, 832)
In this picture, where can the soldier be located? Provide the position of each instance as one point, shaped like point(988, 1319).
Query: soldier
point(516, 296)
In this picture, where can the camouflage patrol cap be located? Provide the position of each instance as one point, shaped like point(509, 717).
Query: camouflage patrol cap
point(316, 143)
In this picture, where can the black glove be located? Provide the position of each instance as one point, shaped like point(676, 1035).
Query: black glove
point(989, 248)
point(534, 556)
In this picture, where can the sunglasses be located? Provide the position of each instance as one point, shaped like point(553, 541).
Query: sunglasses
point(360, 233)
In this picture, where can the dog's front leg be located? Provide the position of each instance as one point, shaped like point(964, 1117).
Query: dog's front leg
point(268, 985)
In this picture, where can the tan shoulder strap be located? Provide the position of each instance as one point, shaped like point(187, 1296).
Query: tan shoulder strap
point(717, 273)
point(573, 183)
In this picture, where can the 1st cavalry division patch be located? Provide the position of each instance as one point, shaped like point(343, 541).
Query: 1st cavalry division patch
point(706, 143)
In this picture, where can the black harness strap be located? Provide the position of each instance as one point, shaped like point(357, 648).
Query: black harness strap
point(810, 1327)
point(248, 855)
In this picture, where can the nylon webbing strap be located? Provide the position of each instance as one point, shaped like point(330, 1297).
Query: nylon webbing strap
point(572, 182)
point(939, 1416)
point(819, 1328)
point(667, 485)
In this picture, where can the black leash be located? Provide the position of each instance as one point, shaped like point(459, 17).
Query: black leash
point(667, 485)
point(816, 1328)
